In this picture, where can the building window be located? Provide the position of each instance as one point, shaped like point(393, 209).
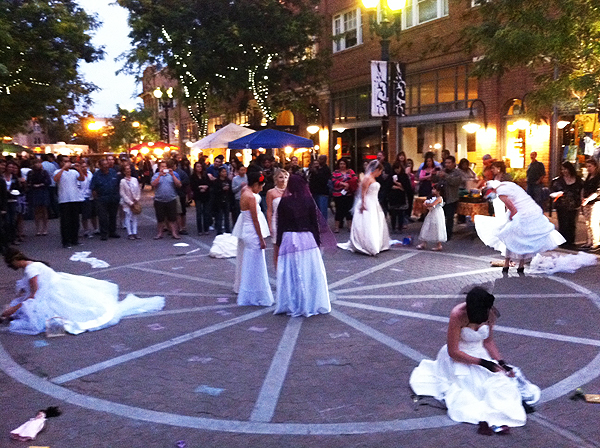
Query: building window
point(347, 30)
point(441, 90)
point(351, 105)
point(422, 11)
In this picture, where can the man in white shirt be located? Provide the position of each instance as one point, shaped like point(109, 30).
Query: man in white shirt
point(68, 180)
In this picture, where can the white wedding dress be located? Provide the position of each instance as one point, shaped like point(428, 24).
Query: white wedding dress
point(369, 234)
point(528, 233)
point(252, 278)
point(83, 303)
point(471, 392)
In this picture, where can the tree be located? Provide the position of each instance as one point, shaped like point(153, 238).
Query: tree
point(130, 127)
point(42, 43)
point(221, 47)
point(558, 40)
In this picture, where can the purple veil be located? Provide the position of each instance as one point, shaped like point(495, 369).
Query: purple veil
point(298, 212)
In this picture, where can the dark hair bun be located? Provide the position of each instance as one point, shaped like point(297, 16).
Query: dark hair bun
point(255, 175)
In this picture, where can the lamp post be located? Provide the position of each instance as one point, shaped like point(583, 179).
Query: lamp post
point(385, 22)
point(473, 126)
point(166, 103)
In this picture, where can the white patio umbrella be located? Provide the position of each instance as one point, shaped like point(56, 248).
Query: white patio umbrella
point(222, 137)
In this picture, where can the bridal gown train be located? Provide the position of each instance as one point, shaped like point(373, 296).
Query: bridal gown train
point(471, 392)
point(83, 303)
point(252, 278)
point(369, 234)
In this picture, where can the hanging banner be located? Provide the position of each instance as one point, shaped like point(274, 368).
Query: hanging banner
point(379, 89)
point(399, 90)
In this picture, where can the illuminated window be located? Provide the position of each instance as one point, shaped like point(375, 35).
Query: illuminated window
point(422, 11)
point(347, 30)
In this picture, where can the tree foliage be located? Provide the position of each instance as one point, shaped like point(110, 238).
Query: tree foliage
point(216, 47)
point(124, 133)
point(559, 40)
point(41, 45)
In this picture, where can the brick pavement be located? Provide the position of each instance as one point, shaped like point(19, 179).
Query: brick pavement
point(347, 380)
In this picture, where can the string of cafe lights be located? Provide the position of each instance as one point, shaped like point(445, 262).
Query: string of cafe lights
point(18, 80)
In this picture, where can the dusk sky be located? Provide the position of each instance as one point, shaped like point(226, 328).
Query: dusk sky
point(114, 89)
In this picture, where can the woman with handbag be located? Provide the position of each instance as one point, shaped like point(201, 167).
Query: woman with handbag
point(130, 191)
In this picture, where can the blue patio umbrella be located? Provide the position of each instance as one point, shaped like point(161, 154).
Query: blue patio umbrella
point(270, 138)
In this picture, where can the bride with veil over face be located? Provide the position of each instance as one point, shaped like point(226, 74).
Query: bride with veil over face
point(369, 234)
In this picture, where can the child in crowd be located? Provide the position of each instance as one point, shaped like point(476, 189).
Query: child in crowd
point(434, 226)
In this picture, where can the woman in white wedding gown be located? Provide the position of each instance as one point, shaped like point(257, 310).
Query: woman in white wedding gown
point(469, 374)
point(252, 278)
point(521, 232)
point(369, 234)
point(83, 303)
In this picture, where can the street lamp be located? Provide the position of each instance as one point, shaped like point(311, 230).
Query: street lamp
point(95, 126)
point(472, 126)
point(166, 103)
point(385, 22)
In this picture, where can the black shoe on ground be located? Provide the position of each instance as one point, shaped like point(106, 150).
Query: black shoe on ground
point(114, 235)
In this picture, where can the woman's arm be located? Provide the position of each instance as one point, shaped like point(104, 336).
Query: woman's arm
point(509, 205)
point(270, 198)
point(124, 193)
point(254, 215)
point(366, 183)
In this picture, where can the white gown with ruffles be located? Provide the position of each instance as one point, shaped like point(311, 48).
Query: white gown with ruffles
point(252, 277)
point(471, 392)
point(301, 277)
point(369, 234)
point(83, 303)
point(528, 233)
point(434, 226)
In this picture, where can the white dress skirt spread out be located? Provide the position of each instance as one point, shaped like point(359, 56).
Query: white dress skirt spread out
point(252, 278)
point(83, 303)
point(528, 233)
point(471, 392)
point(369, 234)
point(301, 278)
point(434, 226)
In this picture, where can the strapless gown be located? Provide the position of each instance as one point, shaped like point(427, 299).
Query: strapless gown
point(472, 393)
point(252, 277)
point(369, 234)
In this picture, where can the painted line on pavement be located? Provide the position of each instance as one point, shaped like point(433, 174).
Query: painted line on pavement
point(371, 270)
point(94, 368)
point(265, 405)
point(197, 309)
point(501, 328)
point(182, 276)
point(569, 435)
point(462, 296)
point(178, 294)
point(417, 280)
point(379, 336)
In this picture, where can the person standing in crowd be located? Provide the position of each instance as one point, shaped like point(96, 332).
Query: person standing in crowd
point(89, 218)
point(182, 192)
point(3, 206)
point(252, 277)
point(165, 182)
point(486, 173)
point(318, 182)
point(199, 183)
point(567, 201)
point(426, 175)
point(398, 196)
point(105, 190)
point(9, 170)
point(130, 192)
point(410, 171)
point(499, 171)
point(468, 176)
point(273, 197)
point(345, 184)
point(222, 197)
point(450, 180)
point(266, 164)
point(294, 167)
point(301, 278)
point(146, 170)
point(38, 183)
point(535, 178)
point(591, 204)
point(385, 181)
point(520, 234)
point(369, 234)
point(69, 201)
point(239, 181)
point(50, 166)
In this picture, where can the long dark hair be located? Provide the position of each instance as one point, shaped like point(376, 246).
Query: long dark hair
point(11, 255)
point(570, 168)
point(479, 304)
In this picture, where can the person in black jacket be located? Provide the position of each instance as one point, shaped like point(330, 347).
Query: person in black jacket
point(200, 185)
point(397, 197)
point(222, 198)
